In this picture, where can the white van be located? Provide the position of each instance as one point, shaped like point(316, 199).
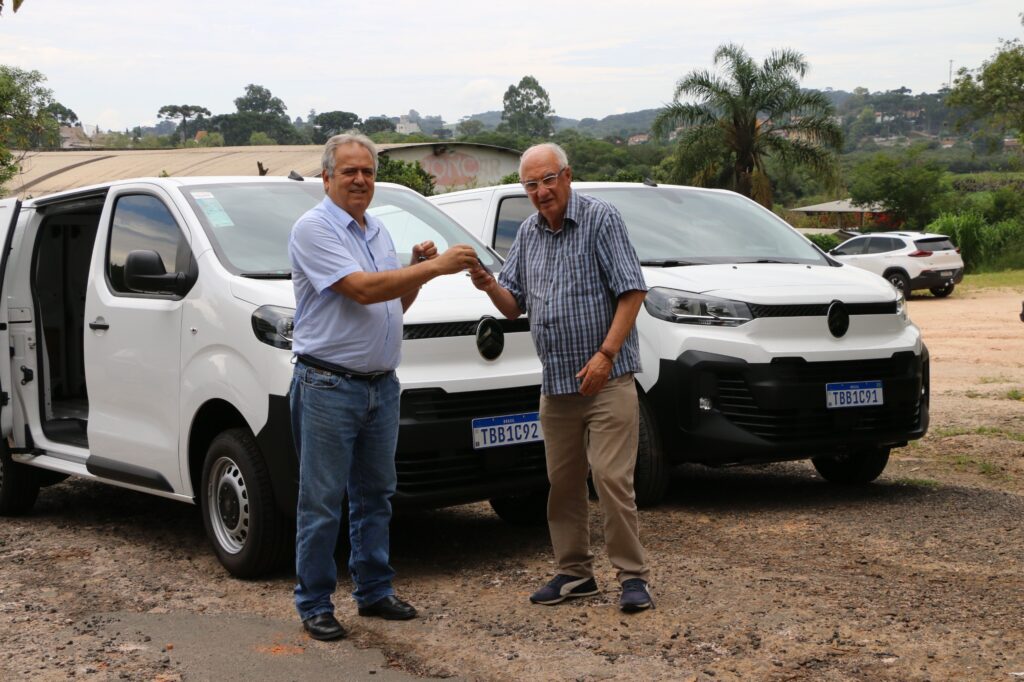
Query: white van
point(756, 346)
point(149, 324)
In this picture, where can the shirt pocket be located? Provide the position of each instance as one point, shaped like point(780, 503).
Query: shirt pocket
point(388, 262)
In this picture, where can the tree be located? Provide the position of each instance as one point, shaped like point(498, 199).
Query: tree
point(211, 140)
point(184, 112)
point(25, 122)
point(15, 5)
point(906, 186)
point(259, 138)
point(995, 91)
point(332, 123)
point(408, 173)
point(528, 109)
point(744, 115)
point(62, 114)
point(258, 100)
point(469, 127)
point(378, 124)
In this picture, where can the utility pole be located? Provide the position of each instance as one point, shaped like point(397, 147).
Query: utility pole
point(949, 83)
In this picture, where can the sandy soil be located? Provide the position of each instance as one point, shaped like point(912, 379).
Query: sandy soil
point(762, 573)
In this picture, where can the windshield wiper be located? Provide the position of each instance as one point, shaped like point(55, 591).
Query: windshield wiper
point(276, 274)
point(666, 262)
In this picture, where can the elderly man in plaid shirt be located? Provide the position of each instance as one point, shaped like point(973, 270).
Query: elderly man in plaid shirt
point(573, 269)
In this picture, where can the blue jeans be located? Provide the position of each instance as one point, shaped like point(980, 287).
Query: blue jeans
point(345, 434)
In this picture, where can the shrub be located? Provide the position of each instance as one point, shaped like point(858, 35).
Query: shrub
point(825, 242)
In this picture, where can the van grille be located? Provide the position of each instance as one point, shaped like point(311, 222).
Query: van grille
point(821, 309)
point(439, 330)
point(434, 404)
point(737, 403)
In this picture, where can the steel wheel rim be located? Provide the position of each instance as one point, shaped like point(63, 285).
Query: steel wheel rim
point(228, 505)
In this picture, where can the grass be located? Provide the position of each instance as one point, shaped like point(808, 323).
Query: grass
point(1007, 279)
point(1015, 394)
point(1002, 379)
point(950, 431)
point(972, 394)
point(919, 482)
point(983, 467)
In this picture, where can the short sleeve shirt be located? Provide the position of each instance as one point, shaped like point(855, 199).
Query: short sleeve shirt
point(568, 282)
point(326, 245)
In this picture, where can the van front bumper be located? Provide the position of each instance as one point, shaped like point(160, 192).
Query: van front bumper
point(435, 460)
point(720, 410)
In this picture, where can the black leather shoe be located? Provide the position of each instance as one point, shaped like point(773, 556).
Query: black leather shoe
point(324, 627)
point(389, 608)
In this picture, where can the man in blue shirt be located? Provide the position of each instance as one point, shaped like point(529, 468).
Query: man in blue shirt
point(350, 293)
point(573, 269)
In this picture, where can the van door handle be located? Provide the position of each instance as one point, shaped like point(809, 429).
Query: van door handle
point(99, 323)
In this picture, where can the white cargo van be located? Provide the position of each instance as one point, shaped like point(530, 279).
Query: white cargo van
point(149, 324)
point(756, 346)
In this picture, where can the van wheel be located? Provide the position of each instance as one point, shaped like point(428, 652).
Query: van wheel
point(19, 484)
point(900, 281)
point(650, 475)
point(249, 534)
point(856, 467)
point(943, 291)
point(523, 510)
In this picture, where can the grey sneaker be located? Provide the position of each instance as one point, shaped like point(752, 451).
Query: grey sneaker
point(635, 596)
point(564, 587)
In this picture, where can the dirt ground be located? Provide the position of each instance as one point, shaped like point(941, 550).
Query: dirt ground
point(763, 573)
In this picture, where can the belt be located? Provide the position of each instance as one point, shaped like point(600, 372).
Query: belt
point(338, 370)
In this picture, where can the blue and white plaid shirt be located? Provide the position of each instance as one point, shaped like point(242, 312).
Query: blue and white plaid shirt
point(568, 282)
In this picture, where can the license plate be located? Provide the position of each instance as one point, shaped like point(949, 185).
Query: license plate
point(853, 394)
point(946, 273)
point(512, 429)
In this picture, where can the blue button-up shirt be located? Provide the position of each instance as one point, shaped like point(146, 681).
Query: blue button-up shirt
point(569, 282)
point(327, 244)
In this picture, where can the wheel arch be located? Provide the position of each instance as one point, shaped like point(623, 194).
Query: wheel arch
point(212, 418)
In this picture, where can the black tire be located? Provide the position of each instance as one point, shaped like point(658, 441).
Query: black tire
point(899, 280)
point(651, 473)
point(19, 485)
point(249, 533)
point(523, 510)
point(944, 291)
point(856, 467)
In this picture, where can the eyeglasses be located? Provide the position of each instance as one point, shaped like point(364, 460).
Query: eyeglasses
point(548, 181)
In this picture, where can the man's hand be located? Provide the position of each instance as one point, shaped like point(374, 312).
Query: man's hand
point(594, 374)
point(482, 278)
point(457, 258)
point(423, 251)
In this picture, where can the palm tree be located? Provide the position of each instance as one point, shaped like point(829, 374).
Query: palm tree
point(745, 114)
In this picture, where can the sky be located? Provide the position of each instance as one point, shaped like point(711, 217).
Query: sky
point(116, 62)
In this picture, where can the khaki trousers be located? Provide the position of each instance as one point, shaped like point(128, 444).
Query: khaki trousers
point(601, 431)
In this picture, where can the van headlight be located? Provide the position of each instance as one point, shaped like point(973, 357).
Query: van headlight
point(273, 325)
point(687, 307)
point(901, 304)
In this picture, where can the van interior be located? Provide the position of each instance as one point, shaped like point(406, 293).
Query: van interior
point(60, 272)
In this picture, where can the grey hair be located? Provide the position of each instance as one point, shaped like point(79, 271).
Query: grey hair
point(560, 155)
point(327, 160)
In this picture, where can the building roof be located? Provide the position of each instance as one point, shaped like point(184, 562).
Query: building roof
point(840, 206)
point(47, 172)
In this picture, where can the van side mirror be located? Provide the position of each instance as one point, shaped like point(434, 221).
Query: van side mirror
point(144, 272)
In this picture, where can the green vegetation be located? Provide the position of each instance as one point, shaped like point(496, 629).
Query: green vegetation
point(951, 431)
point(1015, 394)
point(919, 482)
point(1006, 279)
point(405, 173)
point(527, 109)
point(26, 121)
point(735, 120)
point(994, 380)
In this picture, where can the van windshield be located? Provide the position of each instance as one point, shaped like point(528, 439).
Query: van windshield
point(679, 226)
point(248, 223)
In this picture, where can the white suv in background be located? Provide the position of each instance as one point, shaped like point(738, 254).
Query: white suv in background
point(756, 346)
point(909, 260)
